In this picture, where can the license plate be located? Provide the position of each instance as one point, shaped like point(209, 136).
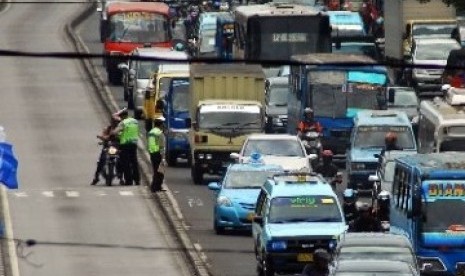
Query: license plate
point(250, 216)
point(305, 257)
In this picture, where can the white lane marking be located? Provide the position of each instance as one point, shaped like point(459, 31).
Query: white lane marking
point(9, 233)
point(194, 202)
point(126, 193)
point(48, 193)
point(72, 193)
point(101, 193)
point(20, 194)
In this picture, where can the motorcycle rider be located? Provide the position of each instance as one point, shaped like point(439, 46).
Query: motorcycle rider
point(105, 137)
point(349, 208)
point(328, 170)
point(366, 222)
point(390, 142)
point(308, 123)
point(320, 265)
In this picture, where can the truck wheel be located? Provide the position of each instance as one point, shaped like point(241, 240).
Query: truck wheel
point(197, 175)
point(267, 267)
point(115, 76)
point(171, 159)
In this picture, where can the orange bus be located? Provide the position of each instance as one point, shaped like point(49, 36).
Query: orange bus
point(130, 25)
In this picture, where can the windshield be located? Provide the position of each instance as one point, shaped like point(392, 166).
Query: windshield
point(247, 179)
point(274, 147)
point(207, 42)
point(336, 91)
point(358, 49)
point(231, 120)
point(278, 96)
point(436, 51)
point(180, 94)
point(145, 69)
point(304, 209)
point(442, 214)
point(433, 30)
point(139, 27)
point(373, 136)
point(407, 99)
point(452, 144)
point(163, 86)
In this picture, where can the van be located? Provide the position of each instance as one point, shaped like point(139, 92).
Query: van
point(367, 140)
point(138, 69)
point(157, 88)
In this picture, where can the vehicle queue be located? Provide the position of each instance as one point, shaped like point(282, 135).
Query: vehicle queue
point(268, 182)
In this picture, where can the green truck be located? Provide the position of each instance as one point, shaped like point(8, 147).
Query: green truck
point(226, 104)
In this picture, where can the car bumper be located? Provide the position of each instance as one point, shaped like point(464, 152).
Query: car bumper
point(233, 217)
point(359, 180)
point(286, 262)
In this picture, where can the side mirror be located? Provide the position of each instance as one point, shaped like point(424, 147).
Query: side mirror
point(214, 186)
point(373, 178)
point(188, 122)
point(391, 95)
point(234, 155)
point(123, 66)
point(258, 220)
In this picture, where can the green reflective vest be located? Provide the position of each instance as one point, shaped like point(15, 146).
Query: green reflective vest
point(130, 132)
point(154, 140)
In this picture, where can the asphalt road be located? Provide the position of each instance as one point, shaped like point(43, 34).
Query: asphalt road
point(226, 255)
point(52, 115)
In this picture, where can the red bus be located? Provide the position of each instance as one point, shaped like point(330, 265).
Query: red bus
point(130, 25)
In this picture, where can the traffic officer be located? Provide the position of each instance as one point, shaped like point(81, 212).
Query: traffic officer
point(156, 148)
point(128, 133)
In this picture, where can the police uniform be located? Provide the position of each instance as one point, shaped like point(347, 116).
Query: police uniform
point(128, 146)
point(155, 145)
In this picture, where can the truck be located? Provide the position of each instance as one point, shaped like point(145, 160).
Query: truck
point(399, 21)
point(226, 104)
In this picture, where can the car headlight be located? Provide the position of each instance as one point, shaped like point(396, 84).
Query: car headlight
point(332, 244)
point(224, 201)
point(358, 166)
point(277, 245)
point(201, 156)
point(208, 156)
point(277, 121)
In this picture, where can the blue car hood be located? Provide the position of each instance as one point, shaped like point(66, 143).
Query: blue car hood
point(248, 196)
point(306, 229)
point(364, 155)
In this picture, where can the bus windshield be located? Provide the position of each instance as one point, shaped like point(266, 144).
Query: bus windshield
point(440, 215)
point(139, 27)
point(218, 118)
point(336, 91)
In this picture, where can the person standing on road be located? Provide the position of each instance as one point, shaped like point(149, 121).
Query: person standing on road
point(128, 133)
point(156, 148)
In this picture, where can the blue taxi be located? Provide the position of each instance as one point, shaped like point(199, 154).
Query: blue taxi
point(368, 139)
point(296, 214)
point(237, 194)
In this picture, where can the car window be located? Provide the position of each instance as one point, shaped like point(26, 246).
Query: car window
point(373, 136)
point(436, 51)
point(274, 147)
point(405, 99)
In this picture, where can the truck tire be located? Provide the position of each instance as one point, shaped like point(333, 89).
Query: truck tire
point(197, 175)
point(171, 158)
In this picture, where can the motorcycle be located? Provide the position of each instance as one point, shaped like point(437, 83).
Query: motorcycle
point(110, 168)
point(312, 144)
point(350, 205)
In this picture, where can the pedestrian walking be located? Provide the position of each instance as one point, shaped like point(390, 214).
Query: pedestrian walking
point(128, 133)
point(156, 148)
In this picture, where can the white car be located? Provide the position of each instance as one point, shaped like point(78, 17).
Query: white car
point(280, 149)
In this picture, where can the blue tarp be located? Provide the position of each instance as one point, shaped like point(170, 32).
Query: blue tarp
point(8, 166)
point(364, 77)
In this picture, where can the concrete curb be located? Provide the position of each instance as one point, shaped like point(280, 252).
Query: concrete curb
point(165, 200)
